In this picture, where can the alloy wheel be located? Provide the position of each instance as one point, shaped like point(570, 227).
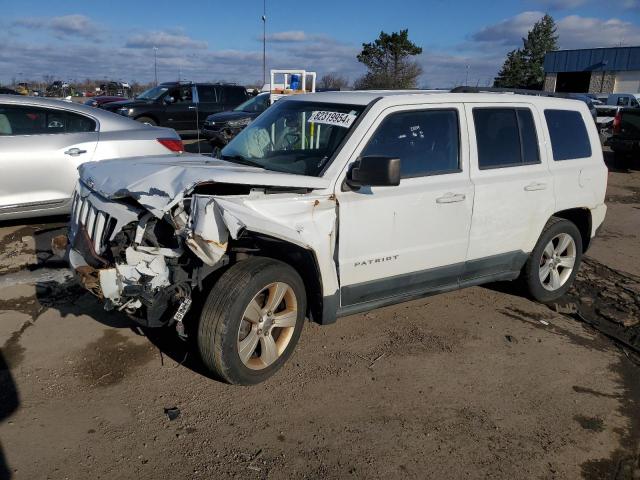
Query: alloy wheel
point(267, 325)
point(557, 261)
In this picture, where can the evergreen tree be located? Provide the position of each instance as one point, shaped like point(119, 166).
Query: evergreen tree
point(513, 72)
point(388, 62)
point(541, 39)
point(524, 67)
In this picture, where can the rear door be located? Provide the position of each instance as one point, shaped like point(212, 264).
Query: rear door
point(514, 190)
point(40, 151)
point(232, 96)
point(208, 102)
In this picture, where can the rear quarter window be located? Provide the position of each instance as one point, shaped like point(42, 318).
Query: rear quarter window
point(569, 137)
point(233, 95)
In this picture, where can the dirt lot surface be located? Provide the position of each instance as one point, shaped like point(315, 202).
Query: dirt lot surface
point(480, 383)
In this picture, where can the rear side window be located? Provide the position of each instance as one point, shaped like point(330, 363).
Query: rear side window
point(506, 137)
point(27, 120)
point(427, 142)
point(233, 96)
point(569, 138)
point(207, 93)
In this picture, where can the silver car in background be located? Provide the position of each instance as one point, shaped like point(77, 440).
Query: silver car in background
point(43, 141)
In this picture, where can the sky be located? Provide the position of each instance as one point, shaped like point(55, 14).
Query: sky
point(219, 40)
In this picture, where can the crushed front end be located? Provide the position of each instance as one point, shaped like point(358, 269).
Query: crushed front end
point(134, 261)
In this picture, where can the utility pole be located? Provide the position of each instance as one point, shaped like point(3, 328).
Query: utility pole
point(264, 42)
point(155, 64)
point(466, 82)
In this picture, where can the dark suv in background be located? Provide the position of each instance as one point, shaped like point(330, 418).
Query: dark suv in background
point(183, 106)
point(220, 128)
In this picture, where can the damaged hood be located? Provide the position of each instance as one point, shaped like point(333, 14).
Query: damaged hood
point(157, 183)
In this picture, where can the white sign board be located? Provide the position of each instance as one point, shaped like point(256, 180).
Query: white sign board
point(344, 120)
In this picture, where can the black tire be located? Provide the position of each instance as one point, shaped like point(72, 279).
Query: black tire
point(218, 330)
point(147, 120)
point(215, 151)
point(531, 277)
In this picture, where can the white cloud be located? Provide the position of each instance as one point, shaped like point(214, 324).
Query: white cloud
point(510, 30)
point(630, 4)
point(63, 26)
point(444, 70)
point(583, 32)
point(164, 39)
point(80, 60)
point(289, 36)
point(562, 4)
point(572, 4)
point(574, 31)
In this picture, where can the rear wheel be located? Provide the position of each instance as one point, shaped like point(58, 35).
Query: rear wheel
point(554, 262)
point(147, 121)
point(252, 320)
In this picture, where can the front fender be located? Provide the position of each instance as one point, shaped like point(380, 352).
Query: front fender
point(308, 221)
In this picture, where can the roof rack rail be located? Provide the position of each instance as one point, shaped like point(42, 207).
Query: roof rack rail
point(518, 91)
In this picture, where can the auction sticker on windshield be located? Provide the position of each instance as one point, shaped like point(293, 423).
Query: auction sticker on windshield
point(338, 119)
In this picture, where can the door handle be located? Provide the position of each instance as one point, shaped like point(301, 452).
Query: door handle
point(192, 108)
point(532, 187)
point(74, 152)
point(451, 198)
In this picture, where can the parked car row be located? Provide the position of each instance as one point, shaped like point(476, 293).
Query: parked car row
point(183, 106)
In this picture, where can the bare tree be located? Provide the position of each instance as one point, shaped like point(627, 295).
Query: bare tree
point(333, 81)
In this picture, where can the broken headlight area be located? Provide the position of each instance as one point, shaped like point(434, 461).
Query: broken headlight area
point(146, 267)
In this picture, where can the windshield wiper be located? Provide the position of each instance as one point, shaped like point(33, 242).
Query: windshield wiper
point(240, 159)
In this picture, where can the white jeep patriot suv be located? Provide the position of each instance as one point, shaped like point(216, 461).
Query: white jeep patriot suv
point(334, 203)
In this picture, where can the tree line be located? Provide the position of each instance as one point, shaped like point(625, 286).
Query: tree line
point(390, 61)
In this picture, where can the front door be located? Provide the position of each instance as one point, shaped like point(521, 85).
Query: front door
point(398, 242)
point(181, 113)
point(40, 151)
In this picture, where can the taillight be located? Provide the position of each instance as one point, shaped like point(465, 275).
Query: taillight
point(617, 123)
point(172, 144)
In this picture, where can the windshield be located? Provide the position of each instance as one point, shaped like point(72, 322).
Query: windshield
point(293, 136)
point(254, 105)
point(152, 94)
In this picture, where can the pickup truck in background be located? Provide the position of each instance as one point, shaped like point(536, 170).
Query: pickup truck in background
point(625, 135)
point(606, 113)
point(624, 99)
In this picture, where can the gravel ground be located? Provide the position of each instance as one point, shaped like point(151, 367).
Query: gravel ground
point(480, 383)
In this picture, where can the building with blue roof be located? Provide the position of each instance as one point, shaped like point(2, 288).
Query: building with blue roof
point(593, 70)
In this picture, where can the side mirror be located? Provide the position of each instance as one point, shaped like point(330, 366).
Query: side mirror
point(169, 99)
point(375, 171)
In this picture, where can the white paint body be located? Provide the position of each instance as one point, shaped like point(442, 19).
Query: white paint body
point(407, 228)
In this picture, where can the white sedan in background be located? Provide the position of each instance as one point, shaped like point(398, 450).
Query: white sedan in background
point(43, 141)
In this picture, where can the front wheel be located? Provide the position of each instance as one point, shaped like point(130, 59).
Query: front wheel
point(554, 262)
point(216, 151)
point(252, 320)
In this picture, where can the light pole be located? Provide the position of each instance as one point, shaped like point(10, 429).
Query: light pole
point(155, 64)
point(466, 82)
point(264, 42)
